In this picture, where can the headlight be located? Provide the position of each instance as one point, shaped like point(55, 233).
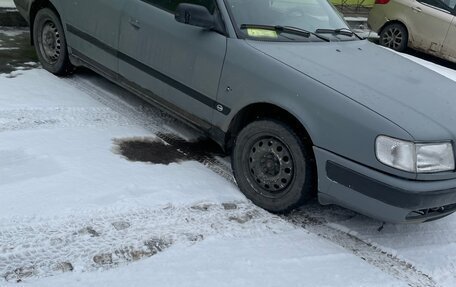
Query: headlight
point(408, 156)
point(434, 157)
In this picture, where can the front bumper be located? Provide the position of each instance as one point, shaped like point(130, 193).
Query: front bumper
point(379, 195)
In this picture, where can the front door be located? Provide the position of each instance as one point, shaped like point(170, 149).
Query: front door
point(93, 30)
point(180, 64)
point(429, 23)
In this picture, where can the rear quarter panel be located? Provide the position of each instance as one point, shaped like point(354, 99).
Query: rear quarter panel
point(395, 10)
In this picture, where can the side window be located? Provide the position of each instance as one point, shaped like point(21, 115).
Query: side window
point(447, 5)
point(451, 3)
point(171, 5)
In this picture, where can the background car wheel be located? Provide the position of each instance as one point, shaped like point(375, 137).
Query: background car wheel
point(394, 36)
point(50, 43)
point(273, 167)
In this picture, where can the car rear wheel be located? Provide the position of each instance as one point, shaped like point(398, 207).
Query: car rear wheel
point(273, 166)
point(50, 43)
point(394, 36)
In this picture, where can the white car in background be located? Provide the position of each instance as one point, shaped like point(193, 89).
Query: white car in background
point(425, 25)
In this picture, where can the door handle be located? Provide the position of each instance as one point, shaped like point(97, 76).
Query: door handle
point(135, 23)
point(417, 9)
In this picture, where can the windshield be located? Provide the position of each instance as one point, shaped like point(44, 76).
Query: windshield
point(308, 15)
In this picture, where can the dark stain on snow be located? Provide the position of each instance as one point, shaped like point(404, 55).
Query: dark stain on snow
point(166, 149)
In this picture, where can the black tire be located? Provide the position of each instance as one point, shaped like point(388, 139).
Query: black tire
point(394, 36)
point(273, 166)
point(50, 43)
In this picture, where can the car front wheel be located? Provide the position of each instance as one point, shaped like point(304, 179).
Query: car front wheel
point(50, 42)
point(273, 166)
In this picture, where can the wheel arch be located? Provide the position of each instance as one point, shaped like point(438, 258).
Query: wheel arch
point(36, 6)
point(263, 110)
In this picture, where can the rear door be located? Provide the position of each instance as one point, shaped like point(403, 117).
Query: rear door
point(93, 30)
point(429, 21)
point(449, 47)
point(174, 64)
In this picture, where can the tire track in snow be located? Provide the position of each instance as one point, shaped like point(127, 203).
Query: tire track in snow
point(89, 242)
point(374, 255)
point(122, 101)
point(156, 120)
point(62, 117)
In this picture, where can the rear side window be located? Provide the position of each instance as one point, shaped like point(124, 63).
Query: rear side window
point(171, 5)
point(451, 3)
point(442, 4)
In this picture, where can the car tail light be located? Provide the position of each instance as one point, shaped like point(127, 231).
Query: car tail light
point(382, 2)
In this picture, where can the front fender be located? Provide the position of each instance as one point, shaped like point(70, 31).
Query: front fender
point(334, 122)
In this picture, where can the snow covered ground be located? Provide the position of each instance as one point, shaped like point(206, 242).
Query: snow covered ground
point(74, 211)
point(69, 202)
point(7, 4)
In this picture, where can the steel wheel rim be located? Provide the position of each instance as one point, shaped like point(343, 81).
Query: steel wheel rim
point(392, 38)
point(271, 166)
point(50, 42)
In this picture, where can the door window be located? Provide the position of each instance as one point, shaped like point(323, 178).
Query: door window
point(171, 5)
point(447, 5)
point(450, 3)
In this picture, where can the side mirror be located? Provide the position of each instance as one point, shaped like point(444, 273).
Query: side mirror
point(195, 15)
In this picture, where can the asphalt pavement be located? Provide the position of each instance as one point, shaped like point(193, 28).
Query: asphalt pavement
point(16, 53)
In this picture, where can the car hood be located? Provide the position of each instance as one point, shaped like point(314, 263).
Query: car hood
point(412, 96)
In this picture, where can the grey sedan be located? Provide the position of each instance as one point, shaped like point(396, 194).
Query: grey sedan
point(305, 107)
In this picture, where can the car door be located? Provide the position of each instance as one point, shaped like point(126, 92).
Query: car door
point(174, 64)
point(449, 47)
point(429, 22)
point(93, 30)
